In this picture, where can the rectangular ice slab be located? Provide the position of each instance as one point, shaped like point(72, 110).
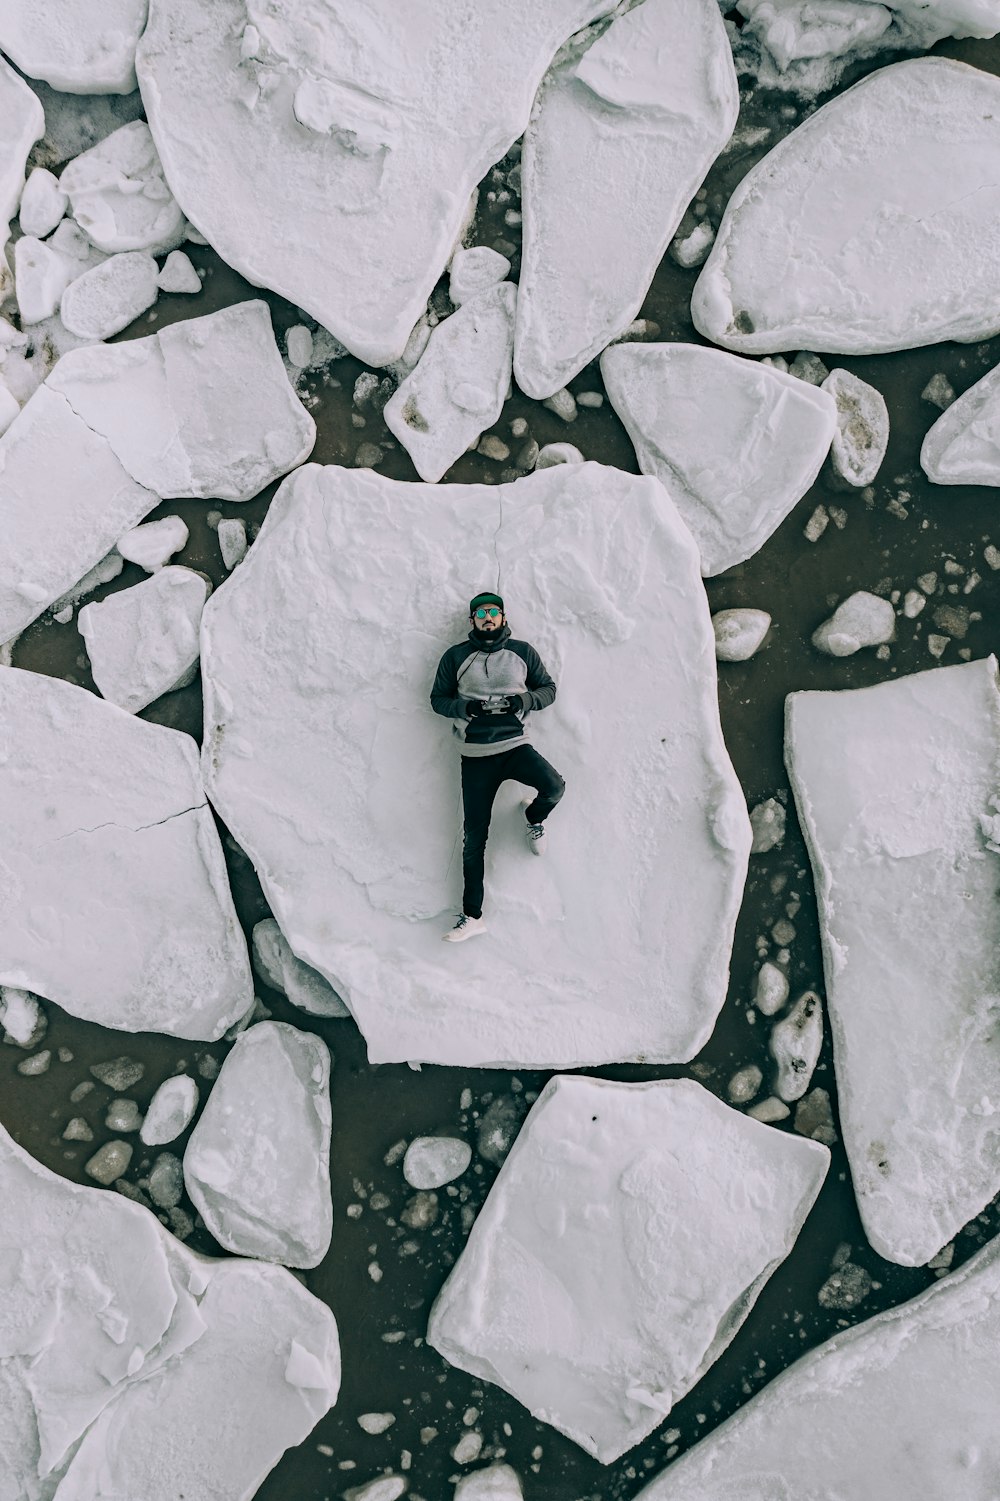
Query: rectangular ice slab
point(897, 788)
point(114, 899)
point(904, 1406)
point(614, 946)
point(622, 1246)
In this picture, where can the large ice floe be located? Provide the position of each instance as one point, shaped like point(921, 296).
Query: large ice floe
point(129, 1366)
point(77, 46)
point(341, 169)
point(353, 822)
point(113, 887)
point(622, 132)
point(201, 409)
point(963, 446)
point(734, 443)
point(257, 1167)
point(871, 227)
point(903, 1405)
point(624, 1243)
point(897, 789)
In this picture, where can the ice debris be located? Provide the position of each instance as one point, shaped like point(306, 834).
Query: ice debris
point(890, 783)
point(109, 1162)
point(117, 904)
point(178, 275)
point(648, 1216)
point(118, 195)
point(154, 543)
point(232, 533)
point(304, 986)
point(360, 875)
point(642, 110)
point(862, 434)
point(735, 443)
point(795, 1044)
point(257, 1165)
point(143, 642)
point(963, 446)
point(496, 1483)
point(170, 1112)
point(433, 1161)
point(21, 1017)
point(862, 619)
point(739, 633)
point(772, 989)
point(43, 203)
point(767, 823)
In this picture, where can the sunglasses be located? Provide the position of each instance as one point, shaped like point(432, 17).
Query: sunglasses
point(492, 612)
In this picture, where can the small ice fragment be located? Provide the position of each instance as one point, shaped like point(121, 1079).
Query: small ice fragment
point(468, 1448)
point(739, 633)
point(232, 532)
point(177, 274)
point(38, 1063)
point(939, 391)
point(153, 543)
point(166, 1181)
point(109, 297)
point(692, 249)
point(769, 1111)
point(299, 345)
point(433, 1161)
point(43, 203)
point(817, 524)
point(563, 403)
point(913, 603)
point(472, 271)
point(814, 1117)
point(744, 1085)
point(809, 367)
point(170, 1110)
point(40, 279)
point(123, 1116)
point(21, 1017)
point(376, 1422)
point(795, 1046)
point(772, 989)
point(492, 447)
point(497, 1483)
point(846, 1287)
point(77, 1130)
point(118, 1073)
point(861, 620)
point(385, 1488)
point(862, 435)
point(558, 453)
point(767, 821)
point(304, 986)
point(109, 1162)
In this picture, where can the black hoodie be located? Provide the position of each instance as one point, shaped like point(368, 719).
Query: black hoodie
point(478, 669)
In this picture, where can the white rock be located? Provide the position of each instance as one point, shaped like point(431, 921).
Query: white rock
point(117, 193)
point(891, 782)
point(622, 1246)
point(497, 1483)
point(692, 249)
point(862, 435)
point(43, 203)
point(154, 543)
point(772, 989)
point(735, 444)
point(40, 279)
point(177, 274)
point(558, 453)
point(473, 271)
point(459, 385)
point(619, 139)
point(339, 123)
point(22, 123)
point(21, 1017)
point(107, 299)
point(299, 344)
point(433, 1161)
point(872, 278)
point(232, 532)
point(277, 965)
point(170, 1111)
point(257, 1165)
point(143, 641)
point(360, 874)
point(963, 446)
point(77, 46)
point(904, 1404)
point(862, 619)
point(795, 1044)
point(116, 901)
point(739, 633)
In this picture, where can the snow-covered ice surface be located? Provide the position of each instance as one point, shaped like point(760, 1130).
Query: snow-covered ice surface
point(735, 443)
point(116, 1341)
point(116, 899)
point(896, 787)
point(362, 875)
point(143, 641)
point(625, 1241)
point(622, 132)
point(341, 165)
point(257, 1166)
point(903, 1405)
point(203, 409)
point(77, 46)
point(458, 387)
point(304, 986)
point(872, 227)
point(117, 193)
point(22, 122)
point(963, 446)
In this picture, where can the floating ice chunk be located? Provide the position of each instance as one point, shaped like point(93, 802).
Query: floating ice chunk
point(558, 453)
point(143, 641)
point(77, 46)
point(772, 989)
point(498, 1483)
point(862, 619)
point(963, 446)
point(360, 874)
point(299, 344)
point(232, 532)
point(735, 444)
point(902, 1405)
point(109, 1162)
point(433, 1161)
point(21, 1017)
point(43, 203)
point(108, 298)
point(257, 1165)
point(744, 1084)
point(795, 1044)
point(277, 965)
point(474, 271)
point(890, 782)
point(178, 275)
point(622, 1246)
point(154, 543)
point(116, 902)
point(643, 113)
point(767, 822)
point(458, 388)
point(118, 195)
point(692, 249)
point(40, 278)
point(340, 125)
point(22, 123)
point(814, 1117)
point(376, 1422)
point(170, 1111)
point(384, 1488)
point(909, 263)
point(862, 435)
point(939, 391)
point(739, 633)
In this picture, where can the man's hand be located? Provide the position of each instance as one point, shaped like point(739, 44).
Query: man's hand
point(474, 707)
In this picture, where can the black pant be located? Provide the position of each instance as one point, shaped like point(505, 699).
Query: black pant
point(482, 777)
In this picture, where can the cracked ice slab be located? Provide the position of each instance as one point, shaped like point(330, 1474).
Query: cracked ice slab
point(896, 787)
point(201, 409)
point(257, 1166)
point(341, 169)
point(902, 1405)
point(114, 1333)
point(643, 112)
point(963, 446)
point(113, 888)
point(736, 444)
point(77, 46)
point(872, 227)
point(353, 823)
point(623, 1244)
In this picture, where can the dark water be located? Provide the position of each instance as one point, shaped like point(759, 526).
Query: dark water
point(904, 529)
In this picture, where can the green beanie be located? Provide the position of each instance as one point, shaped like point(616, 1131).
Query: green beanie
point(484, 599)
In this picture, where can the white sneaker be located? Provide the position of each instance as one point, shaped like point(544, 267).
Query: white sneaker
point(536, 838)
point(466, 927)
